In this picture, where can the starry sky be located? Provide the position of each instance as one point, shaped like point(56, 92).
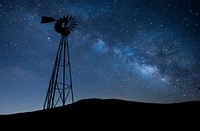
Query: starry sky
point(138, 50)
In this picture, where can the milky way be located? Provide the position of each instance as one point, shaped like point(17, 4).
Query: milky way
point(136, 50)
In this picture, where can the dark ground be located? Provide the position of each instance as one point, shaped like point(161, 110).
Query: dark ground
point(98, 114)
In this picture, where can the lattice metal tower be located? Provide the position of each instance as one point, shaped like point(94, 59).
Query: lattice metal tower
point(60, 89)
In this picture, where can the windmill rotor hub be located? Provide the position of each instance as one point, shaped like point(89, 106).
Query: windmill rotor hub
point(65, 25)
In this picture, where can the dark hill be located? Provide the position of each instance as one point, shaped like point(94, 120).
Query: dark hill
point(101, 112)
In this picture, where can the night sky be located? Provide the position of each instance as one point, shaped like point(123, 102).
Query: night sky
point(138, 50)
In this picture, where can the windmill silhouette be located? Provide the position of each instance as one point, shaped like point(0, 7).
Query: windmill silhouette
point(60, 84)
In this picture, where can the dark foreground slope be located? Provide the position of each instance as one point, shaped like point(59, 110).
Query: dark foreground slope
point(101, 112)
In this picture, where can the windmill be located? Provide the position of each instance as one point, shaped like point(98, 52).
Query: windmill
point(60, 89)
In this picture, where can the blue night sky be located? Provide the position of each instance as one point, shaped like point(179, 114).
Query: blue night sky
point(138, 50)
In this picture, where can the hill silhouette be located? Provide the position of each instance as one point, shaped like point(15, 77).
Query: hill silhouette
point(101, 112)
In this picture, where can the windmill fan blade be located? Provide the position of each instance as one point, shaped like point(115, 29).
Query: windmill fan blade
point(74, 23)
point(70, 17)
point(72, 26)
point(73, 18)
point(46, 19)
point(67, 18)
point(70, 29)
point(64, 18)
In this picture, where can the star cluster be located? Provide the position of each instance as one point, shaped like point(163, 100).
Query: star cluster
point(137, 50)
